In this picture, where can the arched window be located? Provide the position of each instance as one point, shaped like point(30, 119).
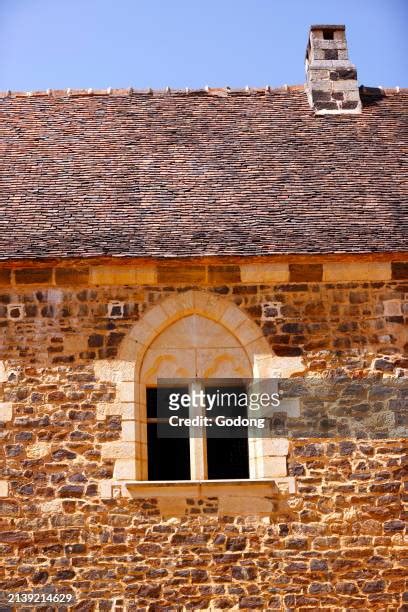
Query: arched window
point(193, 335)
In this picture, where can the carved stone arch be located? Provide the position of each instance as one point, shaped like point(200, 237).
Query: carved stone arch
point(210, 306)
point(130, 453)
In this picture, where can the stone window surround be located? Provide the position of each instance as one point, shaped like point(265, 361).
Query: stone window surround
point(267, 456)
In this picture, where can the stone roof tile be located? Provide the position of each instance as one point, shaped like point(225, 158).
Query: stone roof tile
point(200, 172)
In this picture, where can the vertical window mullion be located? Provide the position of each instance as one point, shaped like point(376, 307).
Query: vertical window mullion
point(198, 444)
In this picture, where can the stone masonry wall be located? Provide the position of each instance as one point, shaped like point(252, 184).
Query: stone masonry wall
point(338, 543)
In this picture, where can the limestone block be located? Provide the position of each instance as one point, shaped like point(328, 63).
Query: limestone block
point(264, 273)
point(319, 75)
point(392, 308)
point(323, 85)
point(105, 489)
point(6, 411)
point(142, 332)
point(131, 431)
point(329, 44)
point(248, 332)
point(343, 85)
point(3, 374)
point(118, 450)
point(129, 350)
point(3, 488)
point(125, 391)
point(36, 451)
point(55, 506)
point(343, 54)
point(287, 366)
point(183, 303)
point(233, 317)
point(114, 371)
point(194, 331)
point(122, 275)
point(125, 469)
point(356, 271)
point(208, 303)
point(259, 348)
point(271, 467)
point(286, 485)
point(124, 409)
point(274, 446)
point(155, 317)
point(264, 365)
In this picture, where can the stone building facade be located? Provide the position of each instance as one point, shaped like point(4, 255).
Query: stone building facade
point(210, 234)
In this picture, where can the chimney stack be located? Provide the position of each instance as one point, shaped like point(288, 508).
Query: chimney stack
point(331, 86)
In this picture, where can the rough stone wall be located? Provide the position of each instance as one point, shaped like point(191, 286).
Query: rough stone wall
point(336, 544)
point(346, 323)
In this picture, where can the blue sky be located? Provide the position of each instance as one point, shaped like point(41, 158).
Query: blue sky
point(190, 43)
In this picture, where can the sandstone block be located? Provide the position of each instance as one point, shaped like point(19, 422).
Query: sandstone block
point(299, 273)
point(224, 274)
point(399, 270)
point(5, 277)
point(71, 276)
point(333, 272)
point(122, 275)
point(264, 273)
point(180, 274)
point(33, 276)
point(246, 506)
point(392, 308)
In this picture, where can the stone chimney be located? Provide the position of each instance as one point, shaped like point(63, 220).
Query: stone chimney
point(331, 78)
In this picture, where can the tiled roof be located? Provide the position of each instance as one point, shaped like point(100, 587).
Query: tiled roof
point(210, 172)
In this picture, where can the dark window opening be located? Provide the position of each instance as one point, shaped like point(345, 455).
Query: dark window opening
point(328, 34)
point(227, 458)
point(167, 458)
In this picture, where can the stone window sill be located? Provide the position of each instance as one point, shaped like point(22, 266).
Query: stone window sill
point(201, 488)
point(225, 497)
